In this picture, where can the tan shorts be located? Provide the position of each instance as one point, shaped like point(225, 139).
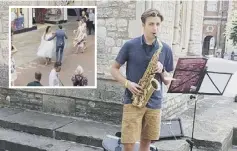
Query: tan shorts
point(140, 124)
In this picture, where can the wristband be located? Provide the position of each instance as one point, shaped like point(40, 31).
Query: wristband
point(126, 84)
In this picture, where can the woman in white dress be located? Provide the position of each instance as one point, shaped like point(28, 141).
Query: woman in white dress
point(84, 31)
point(80, 37)
point(13, 66)
point(13, 63)
point(46, 47)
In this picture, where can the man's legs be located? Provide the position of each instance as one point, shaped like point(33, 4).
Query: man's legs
point(12, 25)
point(131, 126)
point(129, 146)
point(145, 145)
point(57, 51)
point(150, 128)
point(90, 26)
point(61, 54)
point(93, 27)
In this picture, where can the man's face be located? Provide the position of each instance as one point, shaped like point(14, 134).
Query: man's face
point(151, 26)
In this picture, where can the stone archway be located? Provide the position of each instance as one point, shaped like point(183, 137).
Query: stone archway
point(208, 45)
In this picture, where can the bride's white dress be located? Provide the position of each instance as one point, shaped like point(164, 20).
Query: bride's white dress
point(46, 48)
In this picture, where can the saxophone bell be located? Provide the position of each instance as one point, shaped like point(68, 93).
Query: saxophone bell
point(155, 84)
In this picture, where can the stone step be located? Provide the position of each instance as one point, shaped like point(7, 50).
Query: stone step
point(58, 127)
point(19, 141)
point(215, 120)
point(214, 125)
point(232, 148)
point(172, 145)
point(70, 129)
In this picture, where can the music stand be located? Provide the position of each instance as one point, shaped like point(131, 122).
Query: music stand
point(194, 76)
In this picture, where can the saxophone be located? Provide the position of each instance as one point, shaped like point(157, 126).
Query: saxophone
point(148, 83)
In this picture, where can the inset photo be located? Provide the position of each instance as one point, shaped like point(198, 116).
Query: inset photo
point(52, 47)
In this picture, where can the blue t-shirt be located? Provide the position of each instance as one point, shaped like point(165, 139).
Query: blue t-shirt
point(137, 55)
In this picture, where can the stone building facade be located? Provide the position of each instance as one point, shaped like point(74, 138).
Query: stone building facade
point(232, 16)
point(117, 22)
point(214, 23)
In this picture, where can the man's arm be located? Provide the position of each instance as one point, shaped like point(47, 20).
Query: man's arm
point(131, 86)
point(121, 58)
point(54, 35)
point(119, 61)
point(168, 67)
point(116, 73)
point(65, 35)
point(164, 78)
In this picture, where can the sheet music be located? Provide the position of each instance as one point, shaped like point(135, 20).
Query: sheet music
point(188, 72)
point(220, 77)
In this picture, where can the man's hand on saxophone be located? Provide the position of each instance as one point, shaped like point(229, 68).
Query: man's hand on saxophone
point(159, 67)
point(165, 77)
point(131, 86)
point(134, 88)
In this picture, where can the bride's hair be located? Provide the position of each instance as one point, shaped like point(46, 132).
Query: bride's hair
point(47, 30)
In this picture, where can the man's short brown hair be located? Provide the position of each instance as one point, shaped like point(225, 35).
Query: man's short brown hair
point(151, 13)
point(38, 76)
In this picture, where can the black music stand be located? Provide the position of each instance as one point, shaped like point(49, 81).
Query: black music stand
point(190, 74)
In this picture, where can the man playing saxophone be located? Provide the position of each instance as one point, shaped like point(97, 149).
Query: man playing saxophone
point(142, 124)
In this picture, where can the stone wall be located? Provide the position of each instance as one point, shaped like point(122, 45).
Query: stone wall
point(3, 35)
point(4, 82)
point(97, 110)
point(232, 16)
point(103, 106)
point(4, 55)
point(195, 42)
point(181, 29)
point(167, 27)
point(112, 26)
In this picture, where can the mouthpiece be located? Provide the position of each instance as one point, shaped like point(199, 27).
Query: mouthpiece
point(155, 35)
